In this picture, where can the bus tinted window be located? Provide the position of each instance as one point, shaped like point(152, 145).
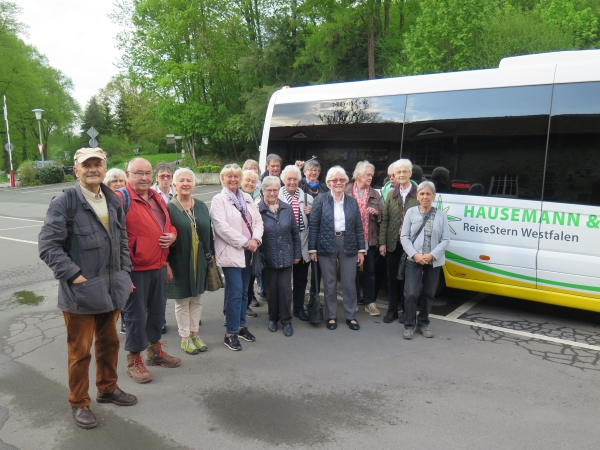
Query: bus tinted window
point(340, 132)
point(573, 166)
point(491, 141)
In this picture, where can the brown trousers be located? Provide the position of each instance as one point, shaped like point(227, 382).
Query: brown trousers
point(82, 329)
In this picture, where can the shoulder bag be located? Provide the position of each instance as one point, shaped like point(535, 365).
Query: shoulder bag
point(404, 257)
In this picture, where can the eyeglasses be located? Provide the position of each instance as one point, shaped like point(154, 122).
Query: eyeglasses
point(312, 169)
point(404, 172)
point(338, 181)
point(118, 181)
point(271, 191)
point(231, 166)
point(165, 177)
point(142, 174)
point(368, 175)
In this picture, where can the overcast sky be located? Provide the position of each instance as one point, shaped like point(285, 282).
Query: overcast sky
point(77, 37)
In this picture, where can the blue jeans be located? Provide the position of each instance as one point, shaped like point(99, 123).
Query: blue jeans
point(236, 295)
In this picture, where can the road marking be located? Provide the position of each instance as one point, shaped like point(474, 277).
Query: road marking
point(52, 193)
point(18, 240)
point(17, 218)
point(27, 190)
point(18, 228)
point(466, 306)
point(518, 333)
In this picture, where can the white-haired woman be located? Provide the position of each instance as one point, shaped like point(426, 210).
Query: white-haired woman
point(187, 260)
point(280, 250)
point(251, 164)
point(301, 204)
point(238, 233)
point(249, 182)
point(335, 233)
point(115, 179)
point(425, 238)
point(371, 210)
point(402, 197)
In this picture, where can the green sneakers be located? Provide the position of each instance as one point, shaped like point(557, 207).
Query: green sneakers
point(199, 343)
point(189, 347)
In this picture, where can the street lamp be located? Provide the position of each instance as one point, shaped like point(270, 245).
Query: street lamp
point(38, 115)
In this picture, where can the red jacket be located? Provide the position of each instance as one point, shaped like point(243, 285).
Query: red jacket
point(143, 232)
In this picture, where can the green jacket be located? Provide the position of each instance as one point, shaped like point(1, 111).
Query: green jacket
point(391, 221)
point(184, 283)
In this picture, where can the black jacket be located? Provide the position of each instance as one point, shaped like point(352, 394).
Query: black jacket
point(280, 239)
point(321, 232)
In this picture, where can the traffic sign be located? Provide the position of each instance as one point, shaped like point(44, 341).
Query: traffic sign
point(93, 142)
point(9, 147)
point(136, 150)
point(41, 148)
point(92, 132)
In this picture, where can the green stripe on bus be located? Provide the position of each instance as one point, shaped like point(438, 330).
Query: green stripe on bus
point(485, 268)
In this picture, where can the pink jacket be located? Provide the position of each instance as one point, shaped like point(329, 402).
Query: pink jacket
point(227, 223)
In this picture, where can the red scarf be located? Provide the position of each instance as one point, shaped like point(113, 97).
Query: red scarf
point(362, 206)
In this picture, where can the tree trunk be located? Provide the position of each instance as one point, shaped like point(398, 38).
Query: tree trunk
point(294, 34)
point(386, 23)
point(371, 55)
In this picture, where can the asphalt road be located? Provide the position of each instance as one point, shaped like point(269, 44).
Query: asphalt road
point(499, 373)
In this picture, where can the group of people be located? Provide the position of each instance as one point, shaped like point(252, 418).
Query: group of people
point(119, 245)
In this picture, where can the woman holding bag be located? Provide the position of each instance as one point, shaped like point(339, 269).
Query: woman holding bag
point(425, 237)
point(187, 260)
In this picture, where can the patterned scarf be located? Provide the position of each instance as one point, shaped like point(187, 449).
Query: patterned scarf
point(295, 206)
point(238, 201)
point(362, 206)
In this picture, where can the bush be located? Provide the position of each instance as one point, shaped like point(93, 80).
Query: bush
point(69, 178)
point(208, 169)
point(51, 175)
point(27, 174)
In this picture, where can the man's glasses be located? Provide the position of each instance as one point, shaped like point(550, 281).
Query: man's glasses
point(142, 174)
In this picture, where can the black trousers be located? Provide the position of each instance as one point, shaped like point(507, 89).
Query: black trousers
point(278, 289)
point(417, 279)
point(395, 287)
point(300, 277)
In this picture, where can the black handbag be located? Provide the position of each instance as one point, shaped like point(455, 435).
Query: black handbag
point(257, 264)
point(404, 257)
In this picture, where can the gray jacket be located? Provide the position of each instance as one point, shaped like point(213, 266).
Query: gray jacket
point(440, 235)
point(103, 260)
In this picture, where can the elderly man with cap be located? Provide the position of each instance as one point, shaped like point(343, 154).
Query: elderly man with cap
point(83, 241)
point(150, 235)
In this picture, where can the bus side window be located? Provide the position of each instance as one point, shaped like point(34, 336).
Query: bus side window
point(573, 164)
point(495, 138)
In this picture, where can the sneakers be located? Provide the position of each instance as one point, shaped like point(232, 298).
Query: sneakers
point(426, 332)
point(163, 329)
point(189, 347)
point(122, 330)
point(371, 308)
point(199, 343)
point(155, 356)
point(408, 334)
point(232, 342)
point(251, 313)
point(254, 303)
point(136, 369)
point(246, 335)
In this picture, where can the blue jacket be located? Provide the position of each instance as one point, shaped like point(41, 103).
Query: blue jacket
point(280, 239)
point(321, 232)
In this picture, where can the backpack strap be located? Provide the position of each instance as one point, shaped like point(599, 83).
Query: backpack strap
point(126, 199)
point(71, 212)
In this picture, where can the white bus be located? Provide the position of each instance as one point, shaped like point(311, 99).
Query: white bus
point(521, 143)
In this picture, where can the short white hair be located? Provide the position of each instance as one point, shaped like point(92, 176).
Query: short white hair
point(289, 169)
point(114, 174)
point(250, 172)
point(270, 181)
point(361, 169)
point(183, 170)
point(331, 172)
point(403, 162)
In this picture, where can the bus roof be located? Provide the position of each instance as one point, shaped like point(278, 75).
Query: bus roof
point(544, 68)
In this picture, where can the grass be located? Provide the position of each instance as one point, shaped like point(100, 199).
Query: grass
point(119, 161)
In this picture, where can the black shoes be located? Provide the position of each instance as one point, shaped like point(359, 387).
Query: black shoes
point(402, 317)
point(272, 326)
point(301, 314)
point(232, 342)
point(288, 330)
point(390, 316)
point(352, 324)
point(254, 303)
point(246, 335)
point(330, 325)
